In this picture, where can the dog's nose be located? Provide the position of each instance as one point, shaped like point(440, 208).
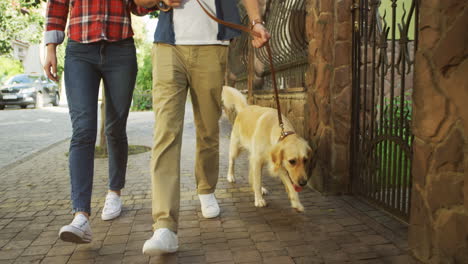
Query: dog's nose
point(302, 183)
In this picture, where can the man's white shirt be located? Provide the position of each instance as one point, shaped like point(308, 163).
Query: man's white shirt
point(193, 27)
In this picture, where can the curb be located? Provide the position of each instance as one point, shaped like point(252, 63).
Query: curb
point(31, 155)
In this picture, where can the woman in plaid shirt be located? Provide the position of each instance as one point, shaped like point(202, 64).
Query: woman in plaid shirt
point(100, 47)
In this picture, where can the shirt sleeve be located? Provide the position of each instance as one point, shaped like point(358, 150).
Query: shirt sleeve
point(56, 20)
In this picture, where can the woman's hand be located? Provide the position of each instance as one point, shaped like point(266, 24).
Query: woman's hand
point(50, 64)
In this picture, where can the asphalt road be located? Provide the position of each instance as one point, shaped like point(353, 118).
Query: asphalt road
point(26, 131)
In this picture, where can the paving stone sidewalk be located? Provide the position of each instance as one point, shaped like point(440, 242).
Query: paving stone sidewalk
point(34, 204)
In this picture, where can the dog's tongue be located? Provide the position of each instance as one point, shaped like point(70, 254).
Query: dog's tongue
point(297, 188)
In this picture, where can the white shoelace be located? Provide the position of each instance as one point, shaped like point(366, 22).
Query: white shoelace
point(112, 202)
point(79, 221)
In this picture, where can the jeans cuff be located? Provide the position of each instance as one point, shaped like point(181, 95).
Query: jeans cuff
point(116, 189)
point(86, 210)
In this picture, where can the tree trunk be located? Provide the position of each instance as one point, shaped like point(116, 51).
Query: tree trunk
point(102, 129)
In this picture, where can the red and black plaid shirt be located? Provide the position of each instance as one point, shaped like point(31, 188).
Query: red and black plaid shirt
point(93, 20)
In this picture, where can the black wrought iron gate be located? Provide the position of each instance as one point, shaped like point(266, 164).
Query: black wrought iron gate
point(384, 44)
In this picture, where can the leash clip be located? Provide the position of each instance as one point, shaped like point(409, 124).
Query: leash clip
point(284, 134)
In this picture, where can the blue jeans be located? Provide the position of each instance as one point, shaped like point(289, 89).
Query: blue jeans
point(85, 65)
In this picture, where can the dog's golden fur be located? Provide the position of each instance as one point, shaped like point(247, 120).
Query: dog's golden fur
point(256, 129)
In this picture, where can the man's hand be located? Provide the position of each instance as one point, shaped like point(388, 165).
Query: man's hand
point(263, 35)
point(260, 34)
point(50, 65)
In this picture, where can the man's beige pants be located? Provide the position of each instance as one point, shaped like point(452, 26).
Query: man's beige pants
point(176, 69)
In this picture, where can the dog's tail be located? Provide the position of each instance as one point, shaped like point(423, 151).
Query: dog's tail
point(233, 99)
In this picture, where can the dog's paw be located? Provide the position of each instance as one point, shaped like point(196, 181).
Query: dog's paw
point(298, 206)
point(230, 178)
point(260, 202)
point(264, 191)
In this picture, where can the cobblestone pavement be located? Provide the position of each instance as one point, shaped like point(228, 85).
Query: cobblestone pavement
point(34, 204)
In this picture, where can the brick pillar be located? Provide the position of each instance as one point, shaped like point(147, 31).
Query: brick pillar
point(329, 91)
point(438, 230)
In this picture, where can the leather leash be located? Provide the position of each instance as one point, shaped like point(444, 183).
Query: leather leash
point(284, 134)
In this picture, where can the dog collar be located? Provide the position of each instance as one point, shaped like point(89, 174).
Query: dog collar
point(285, 134)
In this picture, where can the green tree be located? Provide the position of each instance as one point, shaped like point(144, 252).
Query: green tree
point(142, 94)
point(9, 67)
point(20, 20)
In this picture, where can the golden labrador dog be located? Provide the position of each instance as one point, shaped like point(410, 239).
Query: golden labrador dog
point(257, 129)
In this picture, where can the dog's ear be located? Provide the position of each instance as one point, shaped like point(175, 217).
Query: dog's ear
point(277, 156)
point(312, 160)
point(309, 152)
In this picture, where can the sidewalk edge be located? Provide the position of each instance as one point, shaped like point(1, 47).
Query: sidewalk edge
point(31, 155)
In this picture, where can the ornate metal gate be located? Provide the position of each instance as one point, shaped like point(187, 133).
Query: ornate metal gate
point(286, 21)
point(384, 44)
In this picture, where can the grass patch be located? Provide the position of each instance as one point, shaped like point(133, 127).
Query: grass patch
point(394, 164)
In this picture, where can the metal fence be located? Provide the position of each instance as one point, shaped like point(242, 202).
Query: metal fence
point(285, 19)
point(384, 44)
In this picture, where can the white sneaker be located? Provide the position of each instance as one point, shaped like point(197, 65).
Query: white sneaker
point(209, 205)
point(112, 206)
point(79, 231)
point(163, 241)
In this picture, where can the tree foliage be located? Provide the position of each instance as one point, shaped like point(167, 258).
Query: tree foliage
point(9, 67)
point(142, 94)
point(154, 14)
point(20, 20)
point(31, 3)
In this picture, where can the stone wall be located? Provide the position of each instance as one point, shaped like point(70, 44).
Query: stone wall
point(329, 91)
point(438, 230)
point(293, 106)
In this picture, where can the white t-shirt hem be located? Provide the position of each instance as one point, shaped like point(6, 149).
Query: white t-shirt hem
point(220, 42)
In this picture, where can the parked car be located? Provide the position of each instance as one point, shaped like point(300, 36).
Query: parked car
point(29, 89)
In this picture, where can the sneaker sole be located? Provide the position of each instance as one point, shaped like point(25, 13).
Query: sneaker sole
point(70, 236)
point(111, 216)
point(210, 216)
point(157, 251)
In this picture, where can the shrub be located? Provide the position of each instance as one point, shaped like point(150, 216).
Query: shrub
point(9, 67)
point(142, 95)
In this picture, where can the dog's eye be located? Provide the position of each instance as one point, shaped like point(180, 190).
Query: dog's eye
point(305, 160)
point(292, 162)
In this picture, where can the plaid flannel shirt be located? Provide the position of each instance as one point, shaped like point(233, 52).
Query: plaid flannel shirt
point(90, 20)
